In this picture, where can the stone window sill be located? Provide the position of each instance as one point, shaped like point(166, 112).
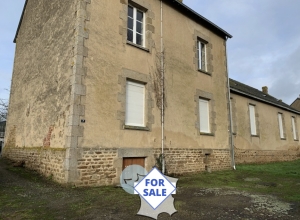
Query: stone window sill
point(138, 46)
point(202, 71)
point(207, 134)
point(255, 135)
point(130, 127)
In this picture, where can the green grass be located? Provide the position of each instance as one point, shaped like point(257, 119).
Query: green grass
point(280, 179)
point(37, 197)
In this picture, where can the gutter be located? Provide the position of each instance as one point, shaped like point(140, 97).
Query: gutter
point(262, 100)
point(162, 87)
point(230, 115)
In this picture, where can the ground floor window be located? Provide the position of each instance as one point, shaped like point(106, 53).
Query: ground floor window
point(280, 122)
point(204, 115)
point(135, 104)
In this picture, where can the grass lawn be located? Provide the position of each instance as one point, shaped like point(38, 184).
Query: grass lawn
point(24, 194)
point(280, 179)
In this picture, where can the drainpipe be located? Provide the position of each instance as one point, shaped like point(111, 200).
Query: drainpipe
point(230, 114)
point(162, 87)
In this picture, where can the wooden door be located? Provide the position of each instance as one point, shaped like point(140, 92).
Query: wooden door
point(127, 161)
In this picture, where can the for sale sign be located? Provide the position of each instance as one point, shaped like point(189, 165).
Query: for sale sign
point(155, 188)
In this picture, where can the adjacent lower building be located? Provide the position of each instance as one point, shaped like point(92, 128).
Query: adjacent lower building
point(265, 129)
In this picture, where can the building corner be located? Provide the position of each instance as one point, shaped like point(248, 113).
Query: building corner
point(75, 120)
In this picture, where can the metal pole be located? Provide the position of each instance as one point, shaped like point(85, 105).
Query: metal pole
point(162, 86)
point(230, 115)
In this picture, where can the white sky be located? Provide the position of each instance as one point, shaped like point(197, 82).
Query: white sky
point(264, 50)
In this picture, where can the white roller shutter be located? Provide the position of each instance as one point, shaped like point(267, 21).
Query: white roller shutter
point(280, 125)
point(204, 115)
point(294, 128)
point(135, 104)
point(252, 120)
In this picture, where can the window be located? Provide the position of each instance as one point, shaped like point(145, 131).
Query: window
point(294, 128)
point(135, 26)
point(280, 125)
point(204, 115)
point(201, 51)
point(135, 104)
point(232, 118)
point(252, 120)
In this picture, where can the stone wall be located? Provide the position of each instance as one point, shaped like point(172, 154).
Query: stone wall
point(99, 166)
point(39, 104)
point(96, 167)
point(182, 160)
point(265, 156)
point(47, 161)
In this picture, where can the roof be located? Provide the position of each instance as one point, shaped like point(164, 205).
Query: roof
point(245, 90)
point(174, 3)
point(20, 22)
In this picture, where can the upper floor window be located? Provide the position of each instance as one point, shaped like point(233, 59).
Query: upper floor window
point(135, 26)
point(201, 51)
point(252, 120)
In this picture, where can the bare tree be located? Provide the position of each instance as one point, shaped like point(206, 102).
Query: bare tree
point(3, 109)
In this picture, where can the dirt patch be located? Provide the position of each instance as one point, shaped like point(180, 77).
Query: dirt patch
point(248, 205)
point(26, 195)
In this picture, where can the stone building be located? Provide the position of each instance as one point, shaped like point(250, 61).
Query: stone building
point(265, 128)
point(296, 104)
point(86, 94)
point(86, 91)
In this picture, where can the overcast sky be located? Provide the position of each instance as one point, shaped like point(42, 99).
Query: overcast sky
point(264, 50)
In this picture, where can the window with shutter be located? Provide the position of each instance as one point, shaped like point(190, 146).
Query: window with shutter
point(135, 104)
point(204, 115)
point(280, 125)
point(294, 128)
point(252, 120)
